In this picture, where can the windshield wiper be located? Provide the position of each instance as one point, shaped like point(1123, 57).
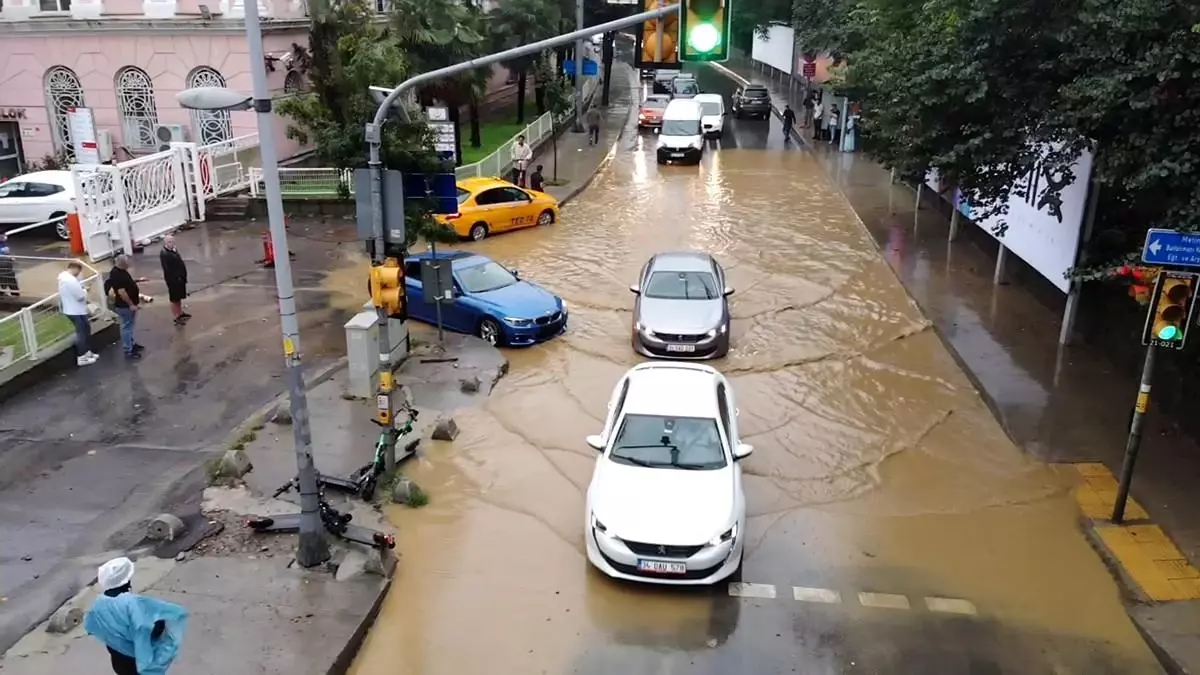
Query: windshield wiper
point(696, 466)
point(647, 447)
point(640, 462)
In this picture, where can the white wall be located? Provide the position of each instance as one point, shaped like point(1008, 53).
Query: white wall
point(776, 49)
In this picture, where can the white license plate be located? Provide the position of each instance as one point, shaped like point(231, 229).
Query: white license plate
point(661, 567)
point(681, 348)
point(677, 154)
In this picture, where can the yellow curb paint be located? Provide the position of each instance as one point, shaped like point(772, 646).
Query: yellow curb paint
point(1154, 563)
point(1096, 493)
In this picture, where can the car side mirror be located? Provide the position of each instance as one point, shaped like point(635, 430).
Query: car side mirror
point(728, 291)
point(635, 289)
point(657, 131)
point(596, 442)
point(742, 451)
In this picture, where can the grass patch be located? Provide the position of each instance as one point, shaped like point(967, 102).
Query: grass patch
point(48, 328)
point(417, 497)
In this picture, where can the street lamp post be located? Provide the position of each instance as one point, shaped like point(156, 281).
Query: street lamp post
point(313, 549)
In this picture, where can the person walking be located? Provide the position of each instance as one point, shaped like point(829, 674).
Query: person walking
point(175, 274)
point(593, 125)
point(818, 120)
point(73, 304)
point(126, 302)
point(142, 634)
point(521, 155)
point(8, 269)
point(789, 120)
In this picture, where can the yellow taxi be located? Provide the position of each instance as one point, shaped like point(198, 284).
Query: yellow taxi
point(490, 205)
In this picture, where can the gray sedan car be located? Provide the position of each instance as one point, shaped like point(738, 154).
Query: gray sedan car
point(682, 309)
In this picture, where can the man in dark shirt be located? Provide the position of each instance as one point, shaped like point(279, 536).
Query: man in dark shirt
point(536, 180)
point(126, 296)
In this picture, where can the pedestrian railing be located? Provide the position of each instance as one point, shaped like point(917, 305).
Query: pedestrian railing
point(39, 330)
point(324, 183)
point(50, 222)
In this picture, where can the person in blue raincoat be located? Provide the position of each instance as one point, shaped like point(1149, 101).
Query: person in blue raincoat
point(142, 634)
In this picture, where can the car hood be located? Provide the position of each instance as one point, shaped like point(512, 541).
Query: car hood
point(522, 300)
point(680, 142)
point(662, 506)
point(680, 316)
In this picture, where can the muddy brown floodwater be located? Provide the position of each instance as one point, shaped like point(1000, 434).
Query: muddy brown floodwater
point(877, 467)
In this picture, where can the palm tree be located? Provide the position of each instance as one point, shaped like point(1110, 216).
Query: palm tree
point(519, 22)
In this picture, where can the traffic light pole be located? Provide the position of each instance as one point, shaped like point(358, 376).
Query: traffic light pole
point(579, 45)
point(1135, 435)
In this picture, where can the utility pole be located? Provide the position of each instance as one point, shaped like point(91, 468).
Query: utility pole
point(313, 549)
point(579, 44)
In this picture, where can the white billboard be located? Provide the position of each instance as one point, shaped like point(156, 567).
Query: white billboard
point(1043, 228)
point(775, 50)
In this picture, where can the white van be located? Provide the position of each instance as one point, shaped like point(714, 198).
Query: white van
point(680, 138)
point(712, 114)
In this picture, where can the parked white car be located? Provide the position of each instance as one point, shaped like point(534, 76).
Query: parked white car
point(36, 197)
point(665, 505)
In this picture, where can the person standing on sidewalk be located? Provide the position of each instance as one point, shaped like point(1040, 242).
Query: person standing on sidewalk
point(808, 110)
point(74, 305)
point(8, 269)
point(175, 274)
point(521, 155)
point(126, 299)
point(835, 121)
point(818, 120)
point(789, 120)
point(593, 124)
point(142, 634)
point(536, 180)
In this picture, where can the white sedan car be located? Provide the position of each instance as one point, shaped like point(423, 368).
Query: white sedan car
point(666, 504)
point(36, 197)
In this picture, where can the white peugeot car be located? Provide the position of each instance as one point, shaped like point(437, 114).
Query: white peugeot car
point(666, 504)
point(37, 197)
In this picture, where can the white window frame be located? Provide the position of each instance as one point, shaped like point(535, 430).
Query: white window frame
point(59, 99)
point(209, 126)
point(129, 99)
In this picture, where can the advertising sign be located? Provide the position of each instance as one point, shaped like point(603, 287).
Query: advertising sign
point(776, 48)
point(83, 135)
point(646, 49)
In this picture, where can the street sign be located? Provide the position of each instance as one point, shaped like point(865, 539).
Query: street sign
point(442, 188)
point(808, 69)
point(443, 130)
point(1171, 308)
point(437, 280)
point(590, 67)
point(393, 217)
point(1171, 247)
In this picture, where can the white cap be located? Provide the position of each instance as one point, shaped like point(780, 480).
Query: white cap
point(115, 573)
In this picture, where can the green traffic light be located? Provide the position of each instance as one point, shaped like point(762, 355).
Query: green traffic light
point(1168, 333)
point(704, 37)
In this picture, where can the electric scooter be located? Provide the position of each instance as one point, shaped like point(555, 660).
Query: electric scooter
point(335, 522)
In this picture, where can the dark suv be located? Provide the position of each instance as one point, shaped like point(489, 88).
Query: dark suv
point(752, 101)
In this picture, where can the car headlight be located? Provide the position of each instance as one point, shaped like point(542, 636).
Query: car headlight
point(599, 528)
point(512, 321)
point(698, 144)
point(719, 330)
point(727, 535)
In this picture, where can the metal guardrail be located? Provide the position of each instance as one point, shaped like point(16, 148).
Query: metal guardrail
point(299, 183)
point(32, 332)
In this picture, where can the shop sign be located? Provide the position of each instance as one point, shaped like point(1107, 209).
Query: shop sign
point(12, 113)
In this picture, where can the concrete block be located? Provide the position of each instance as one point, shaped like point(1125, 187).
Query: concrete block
point(64, 620)
point(446, 429)
point(235, 464)
point(382, 562)
point(353, 564)
point(402, 490)
point(282, 414)
point(165, 527)
point(469, 385)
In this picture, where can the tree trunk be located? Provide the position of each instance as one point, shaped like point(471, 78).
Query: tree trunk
point(522, 77)
point(539, 97)
point(456, 118)
point(554, 144)
point(473, 111)
point(608, 63)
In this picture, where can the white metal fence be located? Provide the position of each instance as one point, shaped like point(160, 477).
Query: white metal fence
point(39, 330)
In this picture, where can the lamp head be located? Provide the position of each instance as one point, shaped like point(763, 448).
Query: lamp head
point(213, 98)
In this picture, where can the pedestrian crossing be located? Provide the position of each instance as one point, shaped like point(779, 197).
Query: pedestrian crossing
point(869, 599)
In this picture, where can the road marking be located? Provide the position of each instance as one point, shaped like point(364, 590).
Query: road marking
point(805, 594)
point(950, 605)
point(884, 600)
point(742, 590)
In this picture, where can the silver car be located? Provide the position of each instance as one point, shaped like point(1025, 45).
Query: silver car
point(682, 309)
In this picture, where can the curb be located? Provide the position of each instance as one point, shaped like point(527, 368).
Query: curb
point(604, 162)
point(345, 658)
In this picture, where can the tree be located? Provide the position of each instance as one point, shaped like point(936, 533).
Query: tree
point(557, 95)
point(514, 23)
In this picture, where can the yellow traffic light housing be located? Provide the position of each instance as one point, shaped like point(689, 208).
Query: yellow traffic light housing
point(705, 27)
point(387, 288)
point(1171, 309)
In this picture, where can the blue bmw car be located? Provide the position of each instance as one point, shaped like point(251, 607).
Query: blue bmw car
point(490, 301)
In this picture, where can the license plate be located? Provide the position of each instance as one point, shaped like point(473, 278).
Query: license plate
point(661, 567)
point(681, 348)
point(677, 154)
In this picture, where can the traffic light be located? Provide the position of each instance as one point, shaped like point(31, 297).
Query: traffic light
point(1171, 309)
point(705, 29)
point(387, 288)
point(647, 52)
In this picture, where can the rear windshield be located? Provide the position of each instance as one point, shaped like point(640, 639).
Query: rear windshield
point(757, 93)
point(656, 101)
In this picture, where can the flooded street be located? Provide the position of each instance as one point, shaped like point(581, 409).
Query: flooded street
point(877, 467)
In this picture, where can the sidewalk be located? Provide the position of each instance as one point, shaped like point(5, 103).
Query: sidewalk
point(579, 162)
point(1063, 406)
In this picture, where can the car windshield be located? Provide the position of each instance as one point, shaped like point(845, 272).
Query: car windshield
point(687, 88)
point(710, 108)
point(681, 128)
point(483, 278)
point(669, 442)
point(681, 286)
point(756, 93)
point(656, 102)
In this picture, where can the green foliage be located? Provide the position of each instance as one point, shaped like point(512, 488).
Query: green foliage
point(439, 33)
point(973, 88)
point(515, 23)
point(556, 90)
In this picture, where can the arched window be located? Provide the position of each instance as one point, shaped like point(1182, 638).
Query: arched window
point(293, 82)
point(211, 126)
point(63, 92)
point(135, 105)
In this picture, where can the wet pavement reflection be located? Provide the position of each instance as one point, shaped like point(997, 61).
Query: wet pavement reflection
point(877, 468)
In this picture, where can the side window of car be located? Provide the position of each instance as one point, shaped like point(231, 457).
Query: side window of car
point(412, 270)
point(489, 197)
point(12, 190)
point(41, 189)
point(723, 410)
point(514, 195)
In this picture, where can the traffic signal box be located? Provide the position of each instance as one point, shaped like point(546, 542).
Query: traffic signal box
point(1171, 309)
point(647, 54)
point(387, 288)
point(705, 30)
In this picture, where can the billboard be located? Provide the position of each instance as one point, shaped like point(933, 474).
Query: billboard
point(776, 48)
point(646, 54)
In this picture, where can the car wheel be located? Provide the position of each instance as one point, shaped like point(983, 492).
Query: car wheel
point(478, 231)
point(61, 228)
point(546, 218)
point(491, 333)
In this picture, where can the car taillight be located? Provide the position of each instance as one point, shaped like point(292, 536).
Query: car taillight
point(453, 216)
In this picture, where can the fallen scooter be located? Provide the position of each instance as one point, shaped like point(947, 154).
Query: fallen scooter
point(335, 522)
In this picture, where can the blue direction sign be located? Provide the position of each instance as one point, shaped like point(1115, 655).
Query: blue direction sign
point(441, 187)
point(1170, 247)
point(590, 67)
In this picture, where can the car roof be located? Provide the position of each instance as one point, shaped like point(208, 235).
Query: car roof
point(714, 98)
point(672, 390)
point(476, 183)
point(456, 258)
point(682, 261)
point(54, 177)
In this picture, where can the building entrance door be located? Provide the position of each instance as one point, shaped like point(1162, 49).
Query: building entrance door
point(12, 162)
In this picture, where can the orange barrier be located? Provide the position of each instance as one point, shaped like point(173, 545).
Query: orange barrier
point(75, 234)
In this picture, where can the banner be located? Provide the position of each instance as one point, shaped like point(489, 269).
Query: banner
point(646, 54)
